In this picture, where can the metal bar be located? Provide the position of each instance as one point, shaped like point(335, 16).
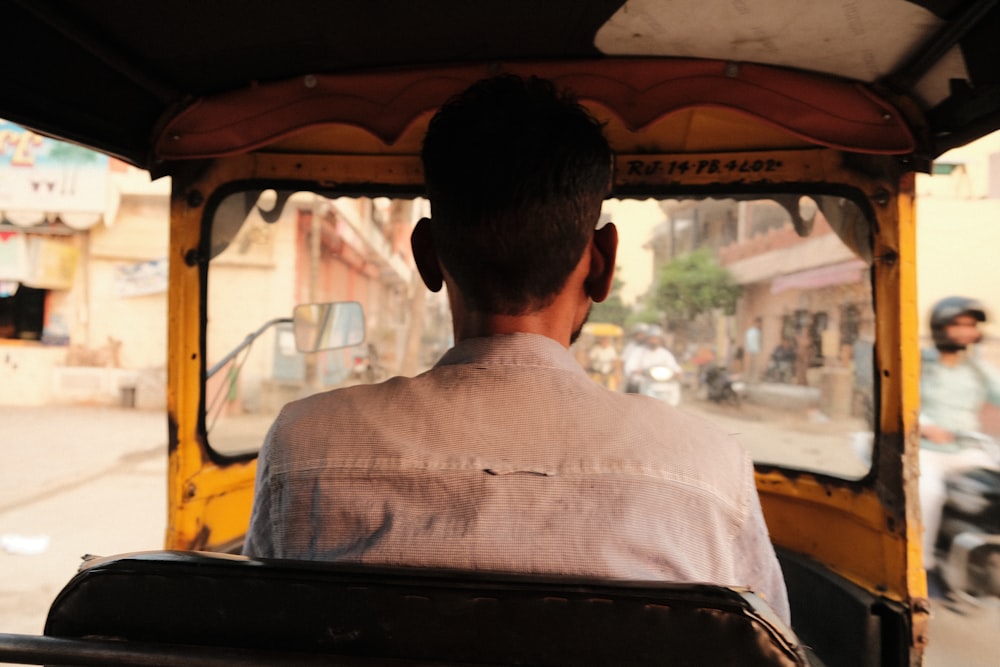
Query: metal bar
point(904, 78)
point(42, 650)
point(246, 341)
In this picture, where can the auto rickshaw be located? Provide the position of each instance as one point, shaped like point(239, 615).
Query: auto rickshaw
point(605, 368)
point(773, 132)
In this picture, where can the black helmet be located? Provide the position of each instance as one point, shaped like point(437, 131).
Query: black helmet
point(945, 311)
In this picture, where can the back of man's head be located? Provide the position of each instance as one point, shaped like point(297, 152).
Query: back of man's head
point(516, 173)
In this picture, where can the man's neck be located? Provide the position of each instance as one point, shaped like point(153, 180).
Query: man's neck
point(559, 320)
point(950, 357)
point(542, 323)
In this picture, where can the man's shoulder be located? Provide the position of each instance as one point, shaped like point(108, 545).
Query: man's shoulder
point(665, 423)
point(332, 401)
point(679, 447)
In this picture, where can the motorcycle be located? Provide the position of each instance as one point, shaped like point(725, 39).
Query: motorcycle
point(661, 383)
point(968, 541)
point(366, 366)
point(721, 386)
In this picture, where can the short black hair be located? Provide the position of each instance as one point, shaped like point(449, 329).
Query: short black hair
point(516, 172)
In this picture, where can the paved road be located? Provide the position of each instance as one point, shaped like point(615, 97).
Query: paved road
point(93, 480)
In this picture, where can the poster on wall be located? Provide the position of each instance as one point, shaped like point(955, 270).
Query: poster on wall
point(141, 278)
point(13, 256)
point(41, 177)
point(51, 263)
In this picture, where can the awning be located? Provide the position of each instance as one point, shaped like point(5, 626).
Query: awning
point(42, 180)
point(824, 276)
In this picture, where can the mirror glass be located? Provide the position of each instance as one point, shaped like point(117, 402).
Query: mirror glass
point(328, 326)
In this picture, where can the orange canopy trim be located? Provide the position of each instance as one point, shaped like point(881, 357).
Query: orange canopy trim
point(819, 110)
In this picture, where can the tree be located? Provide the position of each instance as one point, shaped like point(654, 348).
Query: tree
point(695, 284)
point(70, 157)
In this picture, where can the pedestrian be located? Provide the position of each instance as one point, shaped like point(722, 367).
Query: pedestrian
point(752, 349)
point(803, 354)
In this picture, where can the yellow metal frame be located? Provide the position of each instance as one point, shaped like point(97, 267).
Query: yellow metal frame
point(209, 497)
point(864, 530)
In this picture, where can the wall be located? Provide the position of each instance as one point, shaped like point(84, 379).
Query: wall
point(958, 236)
point(26, 369)
point(139, 235)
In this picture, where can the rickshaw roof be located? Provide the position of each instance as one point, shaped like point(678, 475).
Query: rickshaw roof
point(114, 75)
point(603, 329)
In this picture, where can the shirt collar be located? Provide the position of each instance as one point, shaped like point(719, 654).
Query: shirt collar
point(519, 349)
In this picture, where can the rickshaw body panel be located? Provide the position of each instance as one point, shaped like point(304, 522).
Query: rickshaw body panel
point(301, 97)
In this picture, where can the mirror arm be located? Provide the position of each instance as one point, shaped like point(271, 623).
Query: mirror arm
point(246, 342)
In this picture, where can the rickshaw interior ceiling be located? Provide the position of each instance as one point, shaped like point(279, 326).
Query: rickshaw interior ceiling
point(935, 60)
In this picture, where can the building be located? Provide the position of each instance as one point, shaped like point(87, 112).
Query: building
point(83, 274)
point(808, 285)
point(958, 233)
point(814, 289)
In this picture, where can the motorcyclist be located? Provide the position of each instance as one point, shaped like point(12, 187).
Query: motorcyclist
point(630, 356)
point(954, 388)
point(603, 360)
point(655, 353)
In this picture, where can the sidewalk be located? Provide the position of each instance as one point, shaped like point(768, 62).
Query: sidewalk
point(76, 480)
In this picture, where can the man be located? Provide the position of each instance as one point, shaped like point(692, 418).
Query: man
point(631, 354)
point(506, 456)
point(954, 388)
point(752, 348)
point(648, 381)
point(657, 354)
point(603, 360)
point(803, 355)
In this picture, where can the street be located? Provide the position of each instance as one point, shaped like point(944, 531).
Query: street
point(89, 480)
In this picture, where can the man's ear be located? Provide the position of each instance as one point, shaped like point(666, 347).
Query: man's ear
point(425, 256)
point(603, 252)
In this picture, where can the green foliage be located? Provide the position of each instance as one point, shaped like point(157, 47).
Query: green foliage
point(695, 284)
point(71, 153)
point(647, 315)
point(612, 309)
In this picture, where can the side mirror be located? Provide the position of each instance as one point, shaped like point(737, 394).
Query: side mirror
point(328, 326)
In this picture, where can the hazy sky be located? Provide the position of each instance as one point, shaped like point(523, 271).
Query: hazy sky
point(635, 221)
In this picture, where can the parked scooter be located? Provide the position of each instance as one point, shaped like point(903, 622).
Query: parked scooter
point(661, 383)
point(968, 541)
point(723, 387)
point(781, 365)
point(367, 366)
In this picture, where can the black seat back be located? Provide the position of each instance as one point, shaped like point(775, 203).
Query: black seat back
point(370, 615)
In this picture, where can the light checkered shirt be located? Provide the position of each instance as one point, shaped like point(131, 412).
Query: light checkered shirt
point(507, 457)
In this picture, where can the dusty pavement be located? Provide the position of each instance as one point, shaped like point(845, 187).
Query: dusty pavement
point(87, 480)
point(93, 480)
